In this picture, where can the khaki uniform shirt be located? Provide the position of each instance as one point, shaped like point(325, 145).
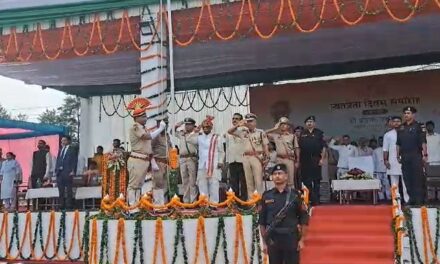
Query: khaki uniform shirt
point(139, 145)
point(187, 143)
point(285, 144)
point(160, 145)
point(234, 148)
point(252, 141)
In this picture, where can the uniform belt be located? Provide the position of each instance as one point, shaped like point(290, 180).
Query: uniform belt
point(252, 153)
point(188, 156)
point(140, 156)
point(281, 156)
point(161, 160)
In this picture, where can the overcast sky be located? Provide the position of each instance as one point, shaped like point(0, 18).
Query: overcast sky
point(18, 97)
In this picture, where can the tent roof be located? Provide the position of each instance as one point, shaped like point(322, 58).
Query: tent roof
point(13, 12)
point(12, 129)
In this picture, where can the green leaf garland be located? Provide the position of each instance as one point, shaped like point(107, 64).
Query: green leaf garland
point(104, 243)
point(180, 236)
point(138, 243)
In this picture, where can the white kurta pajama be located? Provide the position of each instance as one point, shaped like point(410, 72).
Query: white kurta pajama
point(211, 154)
point(10, 172)
point(395, 170)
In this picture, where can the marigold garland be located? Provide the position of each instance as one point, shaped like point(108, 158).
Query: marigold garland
point(158, 241)
point(121, 238)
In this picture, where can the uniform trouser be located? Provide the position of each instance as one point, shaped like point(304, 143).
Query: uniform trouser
point(253, 170)
point(160, 183)
point(290, 170)
point(311, 177)
point(237, 180)
point(396, 180)
point(384, 192)
point(283, 252)
point(415, 181)
point(137, 170)
point(188, 171)
point(208, 186)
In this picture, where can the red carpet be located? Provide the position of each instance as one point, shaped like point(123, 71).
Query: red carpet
point(349, 235)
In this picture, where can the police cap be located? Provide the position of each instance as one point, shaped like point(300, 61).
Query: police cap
point(189, 120)
point(284, 120)
point(412, 109)
point(279, 167)
point(310, 118)
point(250, 117)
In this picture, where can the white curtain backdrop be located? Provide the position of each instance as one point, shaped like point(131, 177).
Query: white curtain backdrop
point(97, 128)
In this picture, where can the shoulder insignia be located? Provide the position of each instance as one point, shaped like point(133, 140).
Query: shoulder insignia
point(269, 201)
point(401, 127)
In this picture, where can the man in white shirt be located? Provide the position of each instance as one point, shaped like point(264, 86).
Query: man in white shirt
point(394, 168)
point(345, 150)
point(380, 171)
point(211, 156)
point(234, 158)
point(432, 144)
point(363, 149)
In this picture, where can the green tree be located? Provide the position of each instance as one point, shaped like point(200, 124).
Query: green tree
point(50, 116)
point(21, 117)
point(66, 115)
point(4, 114)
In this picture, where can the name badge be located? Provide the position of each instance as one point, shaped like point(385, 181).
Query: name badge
point(269, 201)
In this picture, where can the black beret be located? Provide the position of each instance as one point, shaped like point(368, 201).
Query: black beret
point(412, 109)
point(310, 118)
point(278, 167)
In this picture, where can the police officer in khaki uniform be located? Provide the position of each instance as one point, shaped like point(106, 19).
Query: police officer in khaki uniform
point(188, 158)
point(287, 148)
point(140, 140)
point(160, 146)
point(256, 151)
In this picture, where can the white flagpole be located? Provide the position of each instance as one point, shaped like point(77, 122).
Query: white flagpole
point(171, 66)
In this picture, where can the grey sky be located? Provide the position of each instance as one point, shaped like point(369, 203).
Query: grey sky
point(18, 97)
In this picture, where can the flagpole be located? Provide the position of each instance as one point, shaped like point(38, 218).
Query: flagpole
point(171, 63)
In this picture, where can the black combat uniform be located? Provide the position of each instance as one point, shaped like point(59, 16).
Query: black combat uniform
point(311, 144)
point(410, 138)
point(285, 237)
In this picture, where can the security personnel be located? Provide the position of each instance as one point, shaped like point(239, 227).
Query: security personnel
point(282, 220)
point(159, 164)
point(312, 145)
point(140, 141)
point(256, 151)
point(287, 148)
point(412, 152)
point(188, 158)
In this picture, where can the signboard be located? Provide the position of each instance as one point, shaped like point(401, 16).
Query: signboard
point(358, 107)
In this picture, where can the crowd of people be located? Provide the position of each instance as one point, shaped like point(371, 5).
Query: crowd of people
point(242, 158)
point(247, 154)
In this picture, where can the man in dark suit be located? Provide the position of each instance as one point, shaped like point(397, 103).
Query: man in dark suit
point(65, 169)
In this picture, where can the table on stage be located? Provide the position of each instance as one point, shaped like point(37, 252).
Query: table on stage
point(50, 195)
point(342, 186)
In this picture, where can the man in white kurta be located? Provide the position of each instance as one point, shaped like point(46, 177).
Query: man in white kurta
point(394, 168)
point(345, 150)
point(380, 171)
point(211, 156)
point(432, 144)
